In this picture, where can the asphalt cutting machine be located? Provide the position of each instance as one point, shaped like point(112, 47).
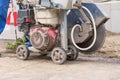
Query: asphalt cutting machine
point(60, 28)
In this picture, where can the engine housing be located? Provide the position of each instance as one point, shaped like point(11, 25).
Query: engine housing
point(43, 38)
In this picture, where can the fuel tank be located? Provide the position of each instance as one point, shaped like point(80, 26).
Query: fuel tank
point(48, 16)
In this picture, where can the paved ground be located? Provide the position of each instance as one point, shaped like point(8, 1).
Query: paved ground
point(42, 68)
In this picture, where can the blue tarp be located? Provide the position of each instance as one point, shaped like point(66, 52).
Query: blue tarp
point(4, 4)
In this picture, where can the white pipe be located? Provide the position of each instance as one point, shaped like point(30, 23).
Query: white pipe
point(95, 33)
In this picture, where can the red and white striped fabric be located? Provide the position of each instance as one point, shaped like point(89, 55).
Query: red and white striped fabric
point(12, 13)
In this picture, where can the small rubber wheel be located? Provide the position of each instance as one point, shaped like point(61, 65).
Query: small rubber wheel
point(22, 52)
point(72, 53)
point(58, 55)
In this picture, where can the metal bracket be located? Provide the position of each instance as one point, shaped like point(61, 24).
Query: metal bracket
point(63, 30)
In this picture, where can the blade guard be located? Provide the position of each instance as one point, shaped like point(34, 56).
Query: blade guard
point(74, 17)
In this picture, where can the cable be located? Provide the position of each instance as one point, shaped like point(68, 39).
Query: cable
point(95, 32)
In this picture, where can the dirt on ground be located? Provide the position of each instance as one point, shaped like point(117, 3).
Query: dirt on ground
point(111, 47)
point(42, 68)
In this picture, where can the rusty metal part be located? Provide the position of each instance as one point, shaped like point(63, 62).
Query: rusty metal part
point(77, 5)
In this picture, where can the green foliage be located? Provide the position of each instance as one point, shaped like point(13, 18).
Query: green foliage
point(15, 44)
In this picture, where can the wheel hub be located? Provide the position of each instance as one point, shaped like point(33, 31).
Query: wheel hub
point(58, 55)
point(21, 52)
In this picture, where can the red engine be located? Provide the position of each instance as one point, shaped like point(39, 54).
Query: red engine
point(43, 38)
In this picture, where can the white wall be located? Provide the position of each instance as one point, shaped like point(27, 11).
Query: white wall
point(112, 9)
